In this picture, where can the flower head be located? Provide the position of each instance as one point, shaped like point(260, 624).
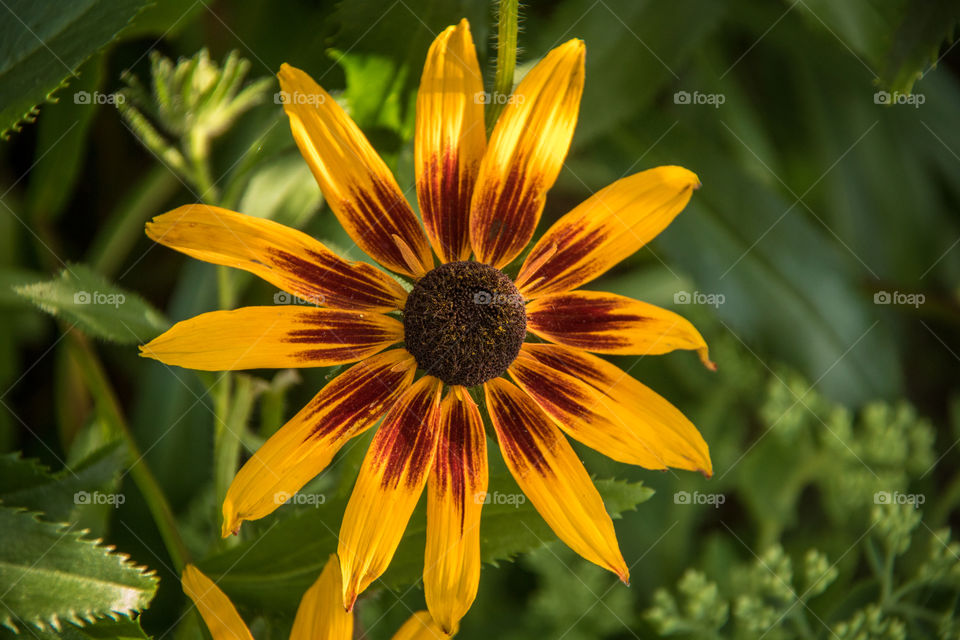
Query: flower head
point(462, 325)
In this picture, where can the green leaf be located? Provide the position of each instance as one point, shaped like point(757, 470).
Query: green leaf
point(10, 279)
point(84, 298)
point(122, 629)
point(43, 44)
point(274, 569)
point(917, 41)
point(50, 575)
point(28, 484)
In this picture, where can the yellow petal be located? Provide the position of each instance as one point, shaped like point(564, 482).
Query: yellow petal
point(389, 484)
point(550, 474)
point(608, 323)
point(284, 257)
point(273, 338)
point(215, 608)
point(356, 183)
point(526, 150)
point(450, 140)
point(420, 626)
point(321, 615)
point(455, 495)
point(610, 226)
point(302, 448)
point(600, 405)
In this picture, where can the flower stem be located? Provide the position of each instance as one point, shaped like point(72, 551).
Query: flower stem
point(506, 59)
point(198, 151)
point(109, 409)
point(230, 433)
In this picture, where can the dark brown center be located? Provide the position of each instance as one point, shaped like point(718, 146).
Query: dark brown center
point(464, 322)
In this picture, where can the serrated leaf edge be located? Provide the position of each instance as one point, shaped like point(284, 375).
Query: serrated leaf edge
point(81, 618)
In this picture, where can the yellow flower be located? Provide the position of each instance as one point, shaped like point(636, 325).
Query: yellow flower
point(462, 325)
point(320, 615)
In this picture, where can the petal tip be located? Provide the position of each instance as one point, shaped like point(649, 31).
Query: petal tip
point(575, 45)
point(349, 598)
point(231, 522)
point(705, 359)
point(622, 572)
point(679, 178)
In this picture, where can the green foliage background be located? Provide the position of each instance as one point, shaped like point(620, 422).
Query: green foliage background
point(817, 197)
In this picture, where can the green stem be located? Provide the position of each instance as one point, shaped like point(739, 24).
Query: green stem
point(272, 401)
point(949, 496)
point(226, 297)
point(109, 409)
point(874, 560)
point(506, 59)
point(198, 152)
point(800, 618)
point(229, 434)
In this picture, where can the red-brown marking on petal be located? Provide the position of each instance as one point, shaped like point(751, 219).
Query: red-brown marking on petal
point(509, 216)
point(337, 283)
point(608, 227)
point(565, 250)
point(356, 336)
point(445, 194)
point(354, 396)
point(587, 323)
point(565, 397)
point(521, 428)
point(458, 456)
point(410, 446)
point(378, 215)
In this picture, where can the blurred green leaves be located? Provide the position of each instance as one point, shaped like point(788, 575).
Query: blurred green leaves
point(815, 197)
